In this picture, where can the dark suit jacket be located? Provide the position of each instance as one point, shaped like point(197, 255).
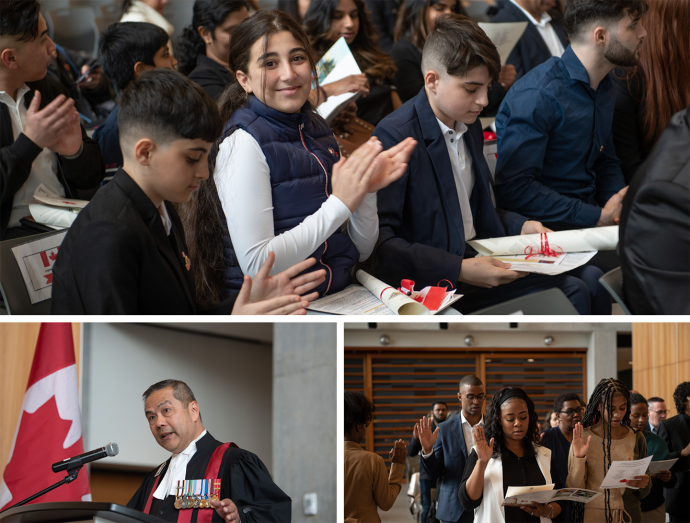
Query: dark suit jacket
point(108, 137)
point(421, 234)
point(448, 463)
point(117, 259)
point(655, 259)
point(531, 50)
point(210, 75)
point(677, 436)
point(17, 156)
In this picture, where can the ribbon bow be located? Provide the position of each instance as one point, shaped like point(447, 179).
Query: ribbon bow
point(545, 250)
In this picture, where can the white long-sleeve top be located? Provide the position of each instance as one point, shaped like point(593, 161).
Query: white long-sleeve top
point(243, 181)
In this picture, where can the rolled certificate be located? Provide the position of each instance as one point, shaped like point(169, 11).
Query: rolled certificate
point(581, 240)
point(391, 297)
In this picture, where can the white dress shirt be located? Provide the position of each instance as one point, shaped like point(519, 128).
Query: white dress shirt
point(546, 31)
point(243, 181)
point(43, 169)
point(461, 162)
point(177, 470)
point(165, 218)
point(467, 432)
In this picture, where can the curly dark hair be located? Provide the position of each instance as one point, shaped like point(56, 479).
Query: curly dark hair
point(602, 398)
point(493, 428)
point(680, 396)
point(562, 398)
point(358, 410)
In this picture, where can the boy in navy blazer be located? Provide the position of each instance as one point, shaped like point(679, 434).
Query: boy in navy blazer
point(445, 197)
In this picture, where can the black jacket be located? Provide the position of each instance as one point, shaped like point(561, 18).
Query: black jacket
point(117, 258)
point(17, 156)
point(677, 436)
point(654, 236)
point(531, 50)
point(211, 76)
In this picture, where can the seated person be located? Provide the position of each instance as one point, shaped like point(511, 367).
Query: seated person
point(203, 49)
point(444, 198)
point(41, 141)
point(556, 158)
point(126, 50)
point(126, 251)
point(543, 38)
point(147, 11)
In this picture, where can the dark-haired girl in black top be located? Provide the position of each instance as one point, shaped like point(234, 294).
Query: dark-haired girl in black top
point(507, 453)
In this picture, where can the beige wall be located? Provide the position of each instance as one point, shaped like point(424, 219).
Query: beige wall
point(17, 347)
point(661, 359)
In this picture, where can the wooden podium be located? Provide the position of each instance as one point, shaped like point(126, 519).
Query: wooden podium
point(75, 511)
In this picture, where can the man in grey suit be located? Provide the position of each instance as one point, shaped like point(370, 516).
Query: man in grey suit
point(445, 450)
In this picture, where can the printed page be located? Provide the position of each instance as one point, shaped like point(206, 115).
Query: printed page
point(42, 194)
point(60, 217)
point(580, 240)
point(516, 496)
point(623, 471)
point(661, 466)
point(505, 36)
point(552, 265)
point(36, 260)
point(353, 300)
point(575, 494)
point(336, 64)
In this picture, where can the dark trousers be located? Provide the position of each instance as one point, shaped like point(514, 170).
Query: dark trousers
point(581, 286)
point(606, 261)
point(467, 517)
point(425, 486)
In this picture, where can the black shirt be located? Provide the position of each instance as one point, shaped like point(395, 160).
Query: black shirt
point(627, 121)
point(378, 103)
point(517, 472)
point(211, 76)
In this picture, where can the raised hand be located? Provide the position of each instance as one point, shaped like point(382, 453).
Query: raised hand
point(484, 450)
point(55, 127)
point(227, 510)
point(351, 176)
point(426, 437)
point(390, 165)
point(399, 452)
point(580, 448)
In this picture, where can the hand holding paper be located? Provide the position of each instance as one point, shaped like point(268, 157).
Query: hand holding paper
point(629, 474)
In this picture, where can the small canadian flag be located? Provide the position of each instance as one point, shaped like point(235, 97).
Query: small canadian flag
point(49, 426)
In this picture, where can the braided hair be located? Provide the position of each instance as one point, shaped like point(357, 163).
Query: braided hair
point(602, 398)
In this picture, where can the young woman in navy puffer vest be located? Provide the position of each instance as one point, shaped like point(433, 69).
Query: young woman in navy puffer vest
point(278, 183)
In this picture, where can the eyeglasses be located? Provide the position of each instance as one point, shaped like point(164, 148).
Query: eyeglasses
point(472, 397)
point(660, 412)
point(572, 412)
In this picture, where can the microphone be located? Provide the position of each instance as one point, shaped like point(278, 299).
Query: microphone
point(110, 449)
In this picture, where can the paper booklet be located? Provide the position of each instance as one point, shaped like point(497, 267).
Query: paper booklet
point(377, 298)
point(551, 265)
point(517, 496)
point(661, 466)
point(55, 211)
point(504, 36)
point(336, 64)
point(621, 472)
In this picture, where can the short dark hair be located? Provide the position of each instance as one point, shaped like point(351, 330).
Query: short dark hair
point(655, 399)
point(579, 14)
point(562, 398)
point(439, 403)
point(680, 396)
point(358, 410)
point(457, 44)
point(470, 380)
point(636, 397)
point(124, 44)
point(169, 106)
point(181, 391)
point(19, 18)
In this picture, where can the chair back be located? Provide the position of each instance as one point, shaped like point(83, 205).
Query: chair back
point(612, 281)
point(549, 302)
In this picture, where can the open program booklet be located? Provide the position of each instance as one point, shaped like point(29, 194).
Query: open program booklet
point(517, 496)
point(336, 64)
point(378, 298)
point(54, 210)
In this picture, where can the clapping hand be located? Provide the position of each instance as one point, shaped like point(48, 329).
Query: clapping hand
point(484, 450)
point(580, 448)
point(390, 165)
point(227, 510)
point(398, 452)
point(55, 127)
point(426, 437)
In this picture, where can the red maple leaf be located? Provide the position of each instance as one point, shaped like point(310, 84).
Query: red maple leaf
point(53, 256)
point(39, 444)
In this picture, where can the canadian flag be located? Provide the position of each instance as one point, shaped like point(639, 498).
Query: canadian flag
point(49, 427)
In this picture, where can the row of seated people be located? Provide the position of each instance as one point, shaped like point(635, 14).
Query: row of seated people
point(412, 196)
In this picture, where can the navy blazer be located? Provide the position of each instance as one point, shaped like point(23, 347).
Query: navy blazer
point(448, 463)
point(531, 50)
point(421, 233)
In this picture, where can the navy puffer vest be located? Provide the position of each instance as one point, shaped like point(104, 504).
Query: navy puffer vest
point(300, 150)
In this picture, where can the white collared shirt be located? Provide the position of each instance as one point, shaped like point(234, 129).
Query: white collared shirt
point(467, 432)
point(461, 161)
point(177, 470)
point(43, 168)
point(546, 31)
point(165, 217)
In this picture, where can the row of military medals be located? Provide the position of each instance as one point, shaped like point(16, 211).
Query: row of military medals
point(196, 493)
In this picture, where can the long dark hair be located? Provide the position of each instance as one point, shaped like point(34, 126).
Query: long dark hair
point(494, 429)
point(208, 14)
point(411, 22)
point(373, 62)
point(602, 398)
point(200, 216)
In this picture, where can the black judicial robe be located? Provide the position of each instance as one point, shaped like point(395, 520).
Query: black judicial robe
point(244, 479)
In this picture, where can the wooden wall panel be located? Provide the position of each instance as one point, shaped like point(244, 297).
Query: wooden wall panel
point(665, 343)
point(684, 342)
point(114, 486)
point(17, 347)
point(642, 346)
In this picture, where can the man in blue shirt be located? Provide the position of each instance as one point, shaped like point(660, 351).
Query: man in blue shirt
point(556, 160)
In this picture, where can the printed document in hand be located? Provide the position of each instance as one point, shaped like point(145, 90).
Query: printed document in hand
point(516, 496)
point(623, 471)
point(55, 211)
point(543, 264)
point(336, 64)
point(504, 36)
point(377, 298)
point(661, 466)
point(36, 260)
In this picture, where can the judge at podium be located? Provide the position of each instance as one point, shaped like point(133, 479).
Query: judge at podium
point(186, 488)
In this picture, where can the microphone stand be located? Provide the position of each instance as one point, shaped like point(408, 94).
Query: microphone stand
point(72, 473)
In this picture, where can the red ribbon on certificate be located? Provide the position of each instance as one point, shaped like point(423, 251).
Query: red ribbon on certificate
point(545, 250)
